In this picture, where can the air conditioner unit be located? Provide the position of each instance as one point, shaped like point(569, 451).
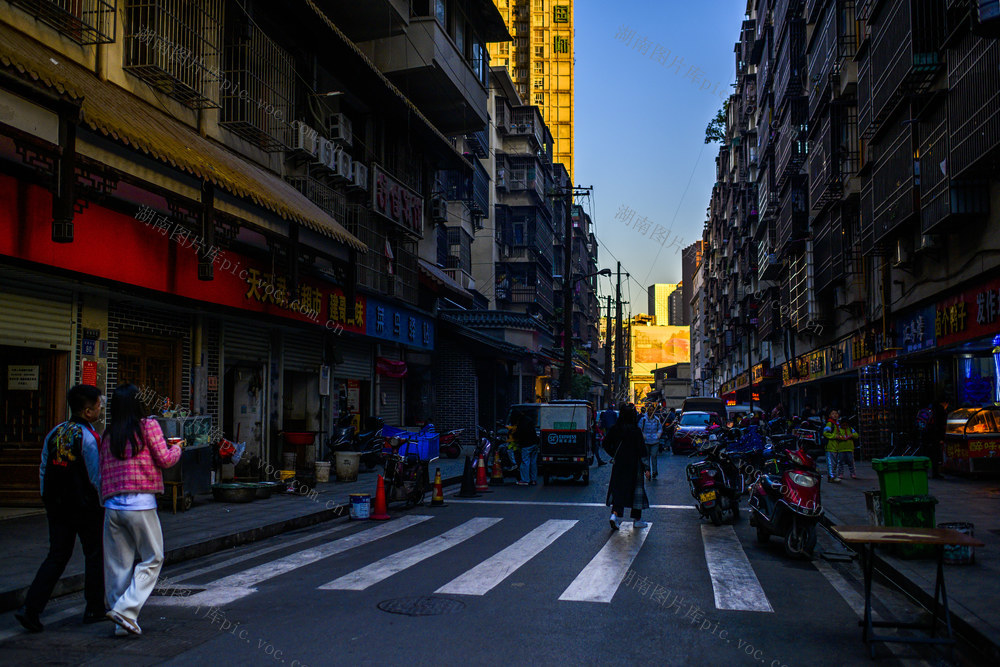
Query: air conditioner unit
point(338, 128)
point(306, 139)
point(439, 209)
point(929, 242)
point(360, 176)
point(344, 164)
point(324, 152)
point(901, 254)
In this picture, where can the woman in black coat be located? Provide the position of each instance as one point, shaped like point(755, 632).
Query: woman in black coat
point(630, 467)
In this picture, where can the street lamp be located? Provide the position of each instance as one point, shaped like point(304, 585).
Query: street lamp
point(567, 370)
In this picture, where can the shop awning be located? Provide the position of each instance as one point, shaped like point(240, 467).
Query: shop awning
point(116, 113)
point(438, 277)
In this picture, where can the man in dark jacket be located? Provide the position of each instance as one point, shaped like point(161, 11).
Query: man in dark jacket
point(937, 431)
point(70, 479)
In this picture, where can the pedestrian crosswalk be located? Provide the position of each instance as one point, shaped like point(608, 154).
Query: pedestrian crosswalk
point(418, 538)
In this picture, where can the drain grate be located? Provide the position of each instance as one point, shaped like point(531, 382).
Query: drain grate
point(425, 605)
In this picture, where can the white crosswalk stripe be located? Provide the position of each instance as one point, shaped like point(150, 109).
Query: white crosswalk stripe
point(733, 580)
point(239, 585)
point(369, 575)
point(484, 577)
point(599, 581)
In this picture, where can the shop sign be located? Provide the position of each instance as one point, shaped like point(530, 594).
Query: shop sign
point(802, 367)
point(23, 378)
point(786, 372)
point(869, 347)
point(817, 364)
point(397, 202)
point(970, 314)
point(983, 448)
point(399, 325)
point(916, 331)
point(761, 371)
point(88, 347)
point(838, 357)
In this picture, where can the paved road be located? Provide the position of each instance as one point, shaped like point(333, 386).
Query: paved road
point(519, 576)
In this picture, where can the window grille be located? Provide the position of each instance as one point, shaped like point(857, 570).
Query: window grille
point(173, 45)
point(83, 21)
point(258, 103)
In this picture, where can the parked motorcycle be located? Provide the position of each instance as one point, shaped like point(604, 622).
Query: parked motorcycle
point(809, 435)
point(785, 501)
point(717, 481)
point(406, 476)
point(369, 443)
point(450, 444)
point(493, 444)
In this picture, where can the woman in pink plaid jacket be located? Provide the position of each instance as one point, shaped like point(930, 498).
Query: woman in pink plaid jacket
point(132, 453)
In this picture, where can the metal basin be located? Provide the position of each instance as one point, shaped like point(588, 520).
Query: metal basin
point(234, 493)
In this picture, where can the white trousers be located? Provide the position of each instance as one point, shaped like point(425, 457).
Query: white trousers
point(128, 584)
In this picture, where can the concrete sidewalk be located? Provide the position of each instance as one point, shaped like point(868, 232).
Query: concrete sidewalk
point(206, 528)
point(973, 590)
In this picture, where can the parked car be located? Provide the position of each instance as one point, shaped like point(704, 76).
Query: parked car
point(704, 404)
point(735, 413)
point(690, 425)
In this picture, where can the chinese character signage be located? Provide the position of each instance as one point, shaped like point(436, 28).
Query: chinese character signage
point(917, 331)
point(970, 314)
point(560, 13)
point(560, 44)
point(397, 202)
point(838, 357)
point(400, 325)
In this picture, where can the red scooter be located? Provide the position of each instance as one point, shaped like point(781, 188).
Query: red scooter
point(785, 501)
point(450, 444)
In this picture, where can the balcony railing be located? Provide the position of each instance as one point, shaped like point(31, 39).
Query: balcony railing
point(974, 104)
point(790, 64)
point(792, 145)
point(827, 249)
point(83, 21)
point(786, 11)
point(905, 51)
point(258, 102)
point(793, 214)
point(767, 200)
point(834, 155)
point(893, 185)
point(173, 45)
point(944, 199)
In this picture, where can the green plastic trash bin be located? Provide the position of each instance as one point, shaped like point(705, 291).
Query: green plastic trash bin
point(900, 476)
point(913, 512)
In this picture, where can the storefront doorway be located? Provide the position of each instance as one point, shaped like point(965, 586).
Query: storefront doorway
point(153, 363)
point(32, 401)
point(243, 408)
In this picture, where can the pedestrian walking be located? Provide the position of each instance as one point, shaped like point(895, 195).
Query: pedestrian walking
point(668, 428)
point(527, 442)
point(651, 429)
point(626, 488)
point(837, 441)
point(133, 452)
point(70, 483)
point(845, 456)
point(937, 431)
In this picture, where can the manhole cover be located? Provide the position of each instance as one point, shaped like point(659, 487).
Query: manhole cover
point(425, 605)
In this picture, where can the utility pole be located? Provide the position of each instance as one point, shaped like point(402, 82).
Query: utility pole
point(619, 348)
point(567, 371)
point(607, 357)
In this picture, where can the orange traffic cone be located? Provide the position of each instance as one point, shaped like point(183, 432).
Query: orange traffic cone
point(380, 512)
point(482, 486)
point(437, 500)
point(497, 478)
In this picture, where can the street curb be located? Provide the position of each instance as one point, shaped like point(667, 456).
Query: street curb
point(13, 599)
point(964, 631)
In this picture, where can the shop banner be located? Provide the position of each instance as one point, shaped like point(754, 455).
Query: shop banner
point(970, 314)
point(870, 347)
point(400, 325)
point(390, 368)
point(158, 254)
point(397, 202)
point(916, 331)
point(838, 357)
point(817, 364)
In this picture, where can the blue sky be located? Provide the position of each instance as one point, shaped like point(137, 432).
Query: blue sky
point(640, 125)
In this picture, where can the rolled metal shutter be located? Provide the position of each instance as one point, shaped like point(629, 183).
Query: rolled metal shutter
point(356, 359)
point(392, 388)
point(303, 351)
point(39, 316)
point(245, 342)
